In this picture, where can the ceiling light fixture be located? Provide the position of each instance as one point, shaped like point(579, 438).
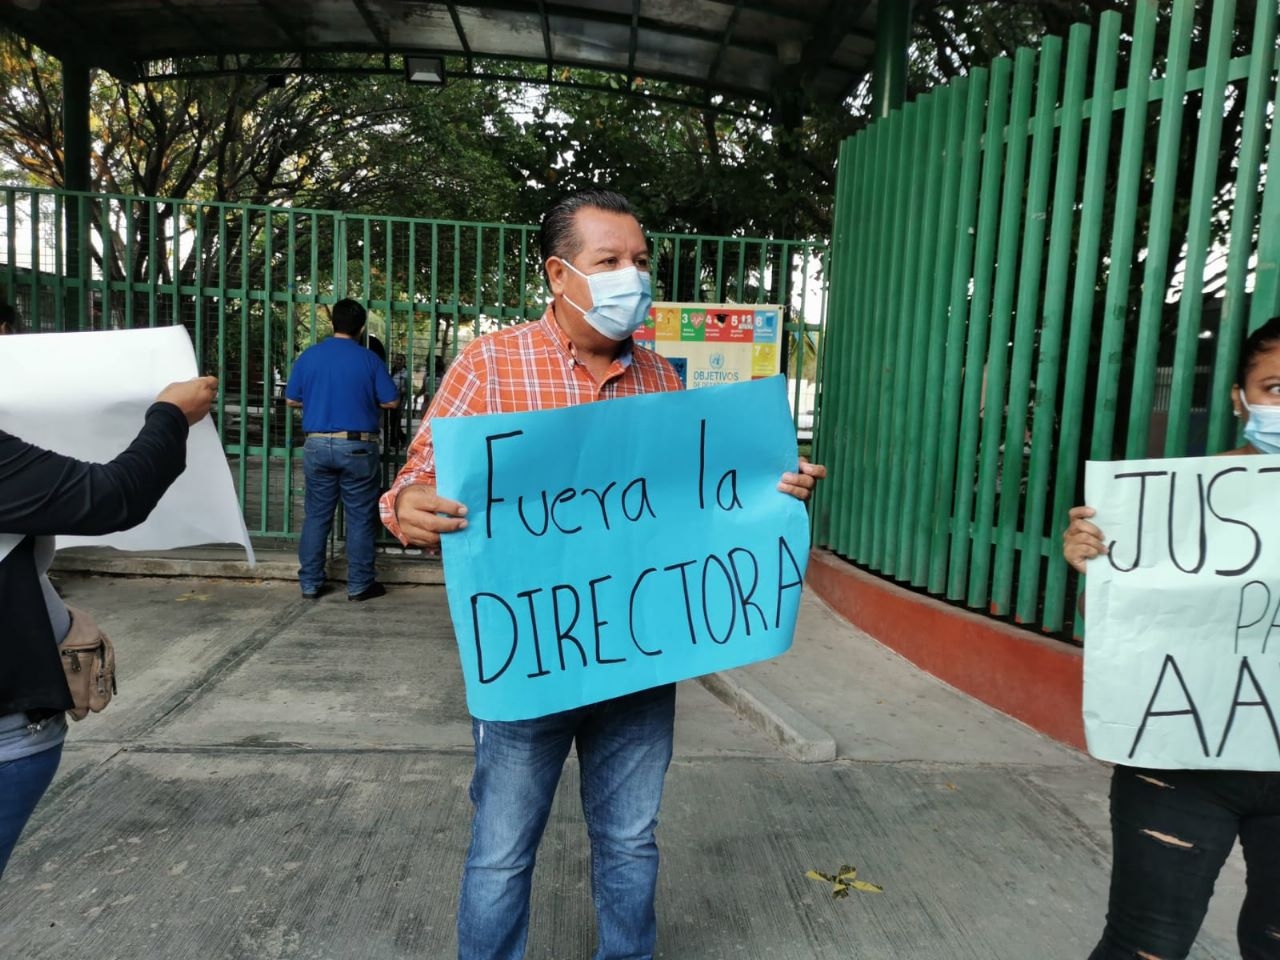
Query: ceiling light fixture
point(428, 70)
point(790, 51)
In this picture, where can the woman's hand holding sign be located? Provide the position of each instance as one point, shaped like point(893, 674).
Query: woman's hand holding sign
point(1082, 540)
point(424, 515)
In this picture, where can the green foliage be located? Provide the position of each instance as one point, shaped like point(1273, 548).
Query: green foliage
point(492, 150)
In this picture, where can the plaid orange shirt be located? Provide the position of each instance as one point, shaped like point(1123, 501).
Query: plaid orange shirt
point(531, 366)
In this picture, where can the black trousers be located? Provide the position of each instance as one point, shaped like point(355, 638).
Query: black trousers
point(1172, 831)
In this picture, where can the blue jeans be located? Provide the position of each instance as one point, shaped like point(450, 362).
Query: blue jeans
point(348, 468)
point(22, 784)
point(1173, 830)
point(624, 747)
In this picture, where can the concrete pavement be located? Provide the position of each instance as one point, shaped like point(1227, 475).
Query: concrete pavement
point(284, 779)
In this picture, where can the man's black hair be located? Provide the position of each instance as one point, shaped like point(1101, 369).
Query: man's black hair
point(1265, 338)
point(347, 318)
point(8, 317)
point(559, 236)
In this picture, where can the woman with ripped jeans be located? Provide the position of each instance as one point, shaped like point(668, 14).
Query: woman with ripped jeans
point(1173, 829)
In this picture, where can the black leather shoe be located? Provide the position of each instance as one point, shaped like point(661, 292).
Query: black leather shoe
point(315, 594)
point(370, 592)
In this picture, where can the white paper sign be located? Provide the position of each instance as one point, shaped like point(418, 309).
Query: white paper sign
point(1182, 645)
point(85, 395)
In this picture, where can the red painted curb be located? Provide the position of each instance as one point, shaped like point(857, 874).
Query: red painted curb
point(1034, 679)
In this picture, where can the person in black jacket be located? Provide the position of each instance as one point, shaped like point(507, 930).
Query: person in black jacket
point(43, 494)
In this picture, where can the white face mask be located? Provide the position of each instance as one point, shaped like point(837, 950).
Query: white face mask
point(1263, 428)
point(620, 300)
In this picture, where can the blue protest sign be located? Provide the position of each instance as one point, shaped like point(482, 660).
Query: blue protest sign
point(616, 546)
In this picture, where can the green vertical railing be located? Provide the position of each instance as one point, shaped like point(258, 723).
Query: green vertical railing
point(1051, 259)
point(252, 285)
point(1050, 361)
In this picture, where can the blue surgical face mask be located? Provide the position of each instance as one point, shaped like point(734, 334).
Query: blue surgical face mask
point(1263, 428)
point(620, 300)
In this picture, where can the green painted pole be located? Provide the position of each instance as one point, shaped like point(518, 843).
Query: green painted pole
point(888, 225)
point(863, 422)
point(903, 317)
point(75, 176)
point(1129, 181)
point(950, 172)
point(268, 373)
point(221, 369)
point(11, 246)
point(291, 345)
point(906, 124)
point(59, 270)
point(961, 246)
point(1164, 195)
point(979, 321)
point(1027, 318)
point(130, 264)
point(155, 250)
point(920, 434)
point(242, 394)
point(893, 43)
point(1199, 239)
point(1002, 307)
point(36, 270)
point(198, 254)
point(1266, 294)
point(840, 373)
point(1057, 272)
point(1260, 96)
point(1094, 200)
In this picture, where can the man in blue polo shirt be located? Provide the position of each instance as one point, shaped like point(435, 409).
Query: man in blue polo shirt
point(342, 389)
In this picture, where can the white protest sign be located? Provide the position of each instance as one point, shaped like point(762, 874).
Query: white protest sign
point(1182, 647)
point(85, 395)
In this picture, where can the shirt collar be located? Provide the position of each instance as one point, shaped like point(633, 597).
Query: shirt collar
point(555, 333)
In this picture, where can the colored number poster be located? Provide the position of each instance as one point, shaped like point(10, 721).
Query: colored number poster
point(710, 344)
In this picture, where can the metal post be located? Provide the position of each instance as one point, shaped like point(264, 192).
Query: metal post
point(75, 176)
point(893, 42)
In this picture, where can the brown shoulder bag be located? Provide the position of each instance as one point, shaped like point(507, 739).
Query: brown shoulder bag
point(89, 661)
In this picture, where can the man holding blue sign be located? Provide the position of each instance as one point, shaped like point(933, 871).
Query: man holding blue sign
point(597, 263)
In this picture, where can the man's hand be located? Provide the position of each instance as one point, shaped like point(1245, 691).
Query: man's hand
point(1082, 540)
point(801, 484)
point(192, 397)
point(424, 515)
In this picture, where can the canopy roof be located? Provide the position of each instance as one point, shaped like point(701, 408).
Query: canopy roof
point(733, 48)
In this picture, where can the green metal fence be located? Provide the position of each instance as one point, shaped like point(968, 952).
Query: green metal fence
point(1033, 266)
point(252, 285)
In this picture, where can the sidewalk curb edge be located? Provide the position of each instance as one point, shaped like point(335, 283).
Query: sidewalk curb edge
point(803, 739)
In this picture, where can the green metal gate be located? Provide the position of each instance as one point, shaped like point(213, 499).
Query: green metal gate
point(252, 285)
point(1019, 260)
